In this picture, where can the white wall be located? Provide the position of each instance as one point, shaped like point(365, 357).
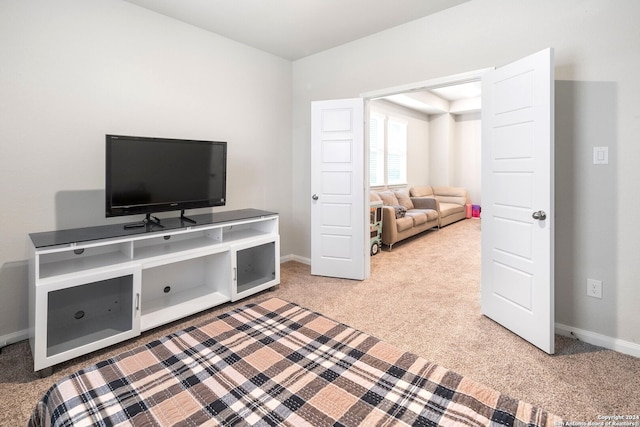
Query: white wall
point(465, 155)
point(441, 134)
point(73, 70)
point(597, 66)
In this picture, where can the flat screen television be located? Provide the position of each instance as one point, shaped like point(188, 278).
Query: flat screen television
point(147, 175)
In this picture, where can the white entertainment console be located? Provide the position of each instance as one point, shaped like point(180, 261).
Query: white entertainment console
point(94, 287)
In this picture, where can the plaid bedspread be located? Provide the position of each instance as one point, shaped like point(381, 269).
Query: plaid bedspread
point(275, 363)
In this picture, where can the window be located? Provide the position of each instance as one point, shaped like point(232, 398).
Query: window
point(387, 151)
point(376, 150)
point(396, 152)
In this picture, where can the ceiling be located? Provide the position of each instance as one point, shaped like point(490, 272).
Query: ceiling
point(442, 99)
point(293, 29)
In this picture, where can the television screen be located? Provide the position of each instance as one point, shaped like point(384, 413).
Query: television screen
point(147, 175)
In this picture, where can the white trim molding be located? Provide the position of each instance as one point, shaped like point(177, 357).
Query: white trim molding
point(451, 80)
point(616, 344)
point(14, 337)
point(292, 257)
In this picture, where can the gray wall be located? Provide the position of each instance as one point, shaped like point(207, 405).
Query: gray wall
point(597, 66)
point(73, 70)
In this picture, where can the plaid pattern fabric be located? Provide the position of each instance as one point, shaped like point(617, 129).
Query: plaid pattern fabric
point(275, 363)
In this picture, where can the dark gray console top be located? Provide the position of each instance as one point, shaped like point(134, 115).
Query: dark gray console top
point(78, 235)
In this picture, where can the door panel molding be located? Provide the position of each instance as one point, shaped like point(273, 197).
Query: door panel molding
point(338, 211)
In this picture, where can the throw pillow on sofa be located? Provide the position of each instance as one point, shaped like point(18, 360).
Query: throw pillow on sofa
point(423, 191)
point(404, 199)
point(401, 211)
point(388, 198)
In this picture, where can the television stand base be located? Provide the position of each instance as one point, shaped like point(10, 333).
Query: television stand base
point(184, 218)
point(149, 221)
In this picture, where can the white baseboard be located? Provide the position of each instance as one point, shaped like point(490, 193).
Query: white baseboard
point(14, 337)
point(622, 346)
point(292, 257)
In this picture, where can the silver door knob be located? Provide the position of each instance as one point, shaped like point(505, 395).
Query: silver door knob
point(314, 197)
point(540, 215)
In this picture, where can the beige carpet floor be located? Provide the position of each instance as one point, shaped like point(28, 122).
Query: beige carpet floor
point(423, 297)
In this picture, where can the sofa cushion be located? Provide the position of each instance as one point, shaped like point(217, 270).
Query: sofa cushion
point(456, 195)
point(424, 191)
point(374, 197)
point(447, 209)
point(405, 223)
point(419, 218)
point(432, 215)
point(403, 199)
point(450, 191)
point(388, 198)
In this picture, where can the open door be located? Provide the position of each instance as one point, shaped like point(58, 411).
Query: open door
point(517, 288)
point(337, 189)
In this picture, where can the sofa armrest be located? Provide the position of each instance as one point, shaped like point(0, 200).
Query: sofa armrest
point(389, 226)
point(426, 203)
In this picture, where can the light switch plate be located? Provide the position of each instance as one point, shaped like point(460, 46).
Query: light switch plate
point(600, 155)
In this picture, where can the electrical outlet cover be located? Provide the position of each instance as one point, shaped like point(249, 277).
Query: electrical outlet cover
point(594, 288)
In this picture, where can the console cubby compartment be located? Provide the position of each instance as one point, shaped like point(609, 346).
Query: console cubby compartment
point(174, 290)
point(171, 244)
point(84, 313)
point(250, 229)
point(76, 259)
point(87, 313)
point(255, 269)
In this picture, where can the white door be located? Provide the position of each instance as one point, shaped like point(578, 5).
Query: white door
point(517, 195)
point(337, 189)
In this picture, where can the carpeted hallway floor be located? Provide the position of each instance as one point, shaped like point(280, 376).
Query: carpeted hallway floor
point(423, 297)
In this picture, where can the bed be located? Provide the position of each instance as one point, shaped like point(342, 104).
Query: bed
point(275, 363)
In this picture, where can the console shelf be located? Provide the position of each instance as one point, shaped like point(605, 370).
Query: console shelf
point(162, 247)
point(94, 287)
point(56, 263)
point(159, 311)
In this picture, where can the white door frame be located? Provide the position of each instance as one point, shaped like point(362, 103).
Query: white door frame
point(455, 79)
point(412, 87)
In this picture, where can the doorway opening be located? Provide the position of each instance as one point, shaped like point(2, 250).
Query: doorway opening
point(517, 170)
point(443, 148)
